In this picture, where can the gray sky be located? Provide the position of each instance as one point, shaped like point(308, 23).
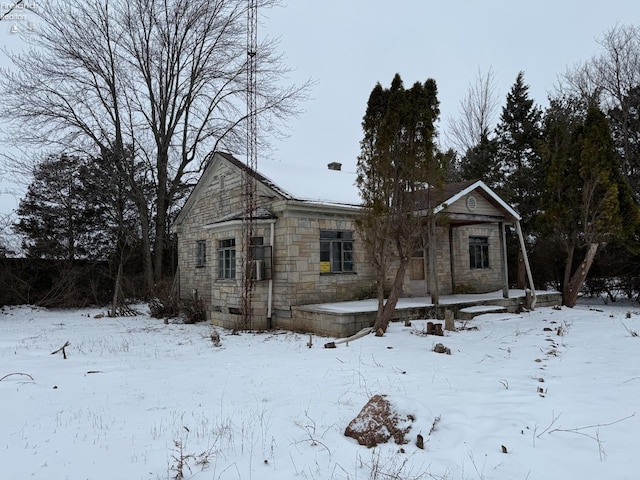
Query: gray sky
point(347, 46)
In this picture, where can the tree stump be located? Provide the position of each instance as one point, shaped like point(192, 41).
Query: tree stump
point(430, 328)
point(438, 329)
point(449, 322)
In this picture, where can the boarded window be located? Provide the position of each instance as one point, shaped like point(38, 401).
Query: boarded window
point(416, 264)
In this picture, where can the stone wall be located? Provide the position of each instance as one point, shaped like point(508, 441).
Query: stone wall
point(297, 279)
point(479, 280)
point(295, 268)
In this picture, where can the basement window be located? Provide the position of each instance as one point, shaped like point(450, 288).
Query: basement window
point(478, 252)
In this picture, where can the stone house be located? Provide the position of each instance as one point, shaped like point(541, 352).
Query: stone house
point(307, 249)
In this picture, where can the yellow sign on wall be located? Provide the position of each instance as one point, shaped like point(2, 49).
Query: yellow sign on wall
point(325, 267)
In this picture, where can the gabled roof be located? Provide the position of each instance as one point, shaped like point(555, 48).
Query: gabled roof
point(323, 186)
point(456, 191)
point(310, 183)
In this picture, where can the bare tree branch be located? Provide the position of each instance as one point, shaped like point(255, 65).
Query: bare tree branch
point(11, 9)
point(156, 84)
point(477, 113)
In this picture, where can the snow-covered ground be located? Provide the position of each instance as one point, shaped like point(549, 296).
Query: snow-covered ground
point(138, 399)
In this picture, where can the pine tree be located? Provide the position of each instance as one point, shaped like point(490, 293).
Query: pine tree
point(518, 135)
point(397, 159)
point(74, 209)
point(587, 201)
point(479, 163)
point(54, 217)
point(519, 172)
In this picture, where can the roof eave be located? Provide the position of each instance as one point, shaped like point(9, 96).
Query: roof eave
point(479, 184)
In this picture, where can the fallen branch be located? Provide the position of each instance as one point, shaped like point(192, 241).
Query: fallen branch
point(553, 420)
point(597, 425)
point(362, 333)
point(61, 349)
point(595, 437)
point(633, 333)
point(16, 373)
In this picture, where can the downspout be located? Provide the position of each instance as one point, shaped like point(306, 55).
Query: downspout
point(526, 265)
point(433, 270)
point(270, 287)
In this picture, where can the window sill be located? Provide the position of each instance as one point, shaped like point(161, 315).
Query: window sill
point(322, 274)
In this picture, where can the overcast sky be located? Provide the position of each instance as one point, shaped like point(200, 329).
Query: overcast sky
point(347, 46)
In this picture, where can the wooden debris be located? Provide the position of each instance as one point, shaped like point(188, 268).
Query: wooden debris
point(16, 373)
point(62, 349)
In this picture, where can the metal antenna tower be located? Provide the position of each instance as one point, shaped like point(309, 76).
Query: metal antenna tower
point(252, 163)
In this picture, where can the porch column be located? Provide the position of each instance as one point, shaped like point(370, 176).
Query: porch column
point(433, 259)
point(526, 265)
point(505, 266)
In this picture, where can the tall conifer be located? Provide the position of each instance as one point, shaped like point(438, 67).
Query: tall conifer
point(397, 159)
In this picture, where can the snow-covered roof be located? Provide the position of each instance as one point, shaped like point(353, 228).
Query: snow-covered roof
point(316, 183)
point(335, 186)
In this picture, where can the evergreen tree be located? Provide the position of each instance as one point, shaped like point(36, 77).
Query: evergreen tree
point(479, 162)
point(519, 174)
point(75, 208)
point(518, 135)
point(56, 220)
point(397, 159)
point(587, 201)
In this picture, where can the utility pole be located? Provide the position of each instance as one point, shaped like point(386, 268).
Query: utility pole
point(252, 164)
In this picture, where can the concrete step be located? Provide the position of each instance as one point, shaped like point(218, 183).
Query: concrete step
point(469, 313)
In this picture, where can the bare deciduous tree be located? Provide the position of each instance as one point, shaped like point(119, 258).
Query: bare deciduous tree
point(12, 7)
point(477, 114)
point(154, 85)
point(607, 79)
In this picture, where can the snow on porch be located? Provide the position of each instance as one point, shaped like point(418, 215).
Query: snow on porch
point(342, 319)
